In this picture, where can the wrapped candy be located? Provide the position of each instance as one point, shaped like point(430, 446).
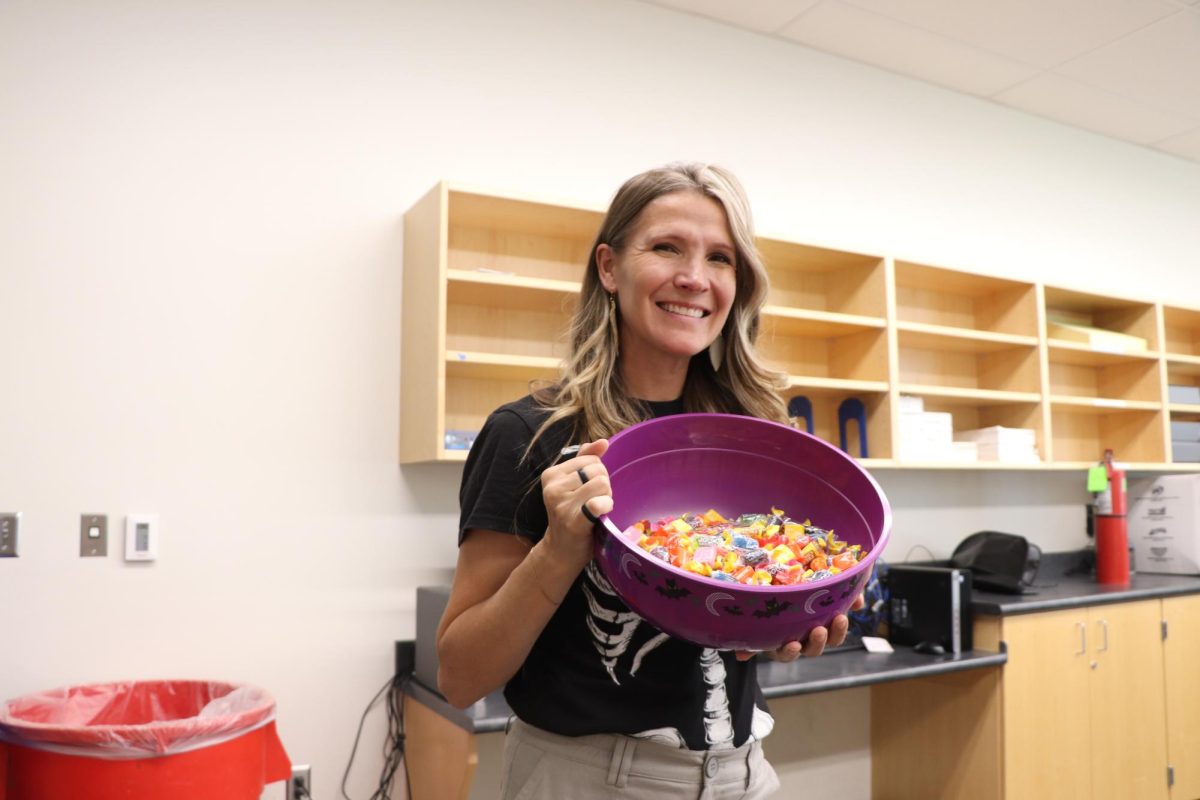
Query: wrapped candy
point(757, 549)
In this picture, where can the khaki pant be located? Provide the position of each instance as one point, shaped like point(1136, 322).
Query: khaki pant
point(545, 766)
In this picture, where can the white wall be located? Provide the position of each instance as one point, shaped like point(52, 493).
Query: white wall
point(200, 256)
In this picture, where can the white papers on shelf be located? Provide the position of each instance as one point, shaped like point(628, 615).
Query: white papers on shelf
point(911, 404)
point(929, 436)
point(997, 443)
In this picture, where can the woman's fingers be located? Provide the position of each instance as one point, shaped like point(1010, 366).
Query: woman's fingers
point(595, 507)
point(576, 492)
point(789, 651)
point(838, 630)
point(814, 645)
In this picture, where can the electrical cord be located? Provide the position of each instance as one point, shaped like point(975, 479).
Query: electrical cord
point(394, 742)
point(916, 547)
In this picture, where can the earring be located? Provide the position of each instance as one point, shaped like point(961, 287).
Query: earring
point(612, 304)
point(716, 352)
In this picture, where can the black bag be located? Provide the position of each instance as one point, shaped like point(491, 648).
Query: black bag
point(999, 562)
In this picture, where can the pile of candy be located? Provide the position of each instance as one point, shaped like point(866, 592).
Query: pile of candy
point(756, 549)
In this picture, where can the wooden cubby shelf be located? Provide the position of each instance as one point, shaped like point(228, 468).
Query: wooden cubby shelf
point(491, 279)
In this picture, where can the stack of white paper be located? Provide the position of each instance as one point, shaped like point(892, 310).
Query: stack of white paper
point(929, 436)
point(997, 443)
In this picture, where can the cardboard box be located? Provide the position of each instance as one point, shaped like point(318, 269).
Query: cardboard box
point(1164, 524)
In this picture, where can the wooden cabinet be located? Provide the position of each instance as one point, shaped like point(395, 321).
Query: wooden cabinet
point(968, 345)
point(490, 281)
point(1181, 665)
point(1181, 358)
point(1105, 378)
point(1084, 702)
point(1093, 703)
point(825, 326)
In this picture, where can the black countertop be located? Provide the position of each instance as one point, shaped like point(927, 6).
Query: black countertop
point(1064, 582)
point(844, 669)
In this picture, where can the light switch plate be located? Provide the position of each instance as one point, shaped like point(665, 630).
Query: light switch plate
point(141, 537)
point(93, 535)
point(10, 527)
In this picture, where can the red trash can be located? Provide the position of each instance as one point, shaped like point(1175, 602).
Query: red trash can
point(148, 740)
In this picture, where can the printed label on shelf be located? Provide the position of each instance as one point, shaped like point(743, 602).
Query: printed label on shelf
point(1103, 402)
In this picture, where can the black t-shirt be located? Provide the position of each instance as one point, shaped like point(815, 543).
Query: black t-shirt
point(598, 667)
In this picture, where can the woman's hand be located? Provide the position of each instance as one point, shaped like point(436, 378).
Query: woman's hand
point(566, 488)
point(818, 639)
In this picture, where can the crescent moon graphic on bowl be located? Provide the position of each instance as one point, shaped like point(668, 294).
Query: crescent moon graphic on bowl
point(712, 600)
point(626, 560)
point(808, 606)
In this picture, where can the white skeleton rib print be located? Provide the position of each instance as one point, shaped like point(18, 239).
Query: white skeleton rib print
point(612, 626)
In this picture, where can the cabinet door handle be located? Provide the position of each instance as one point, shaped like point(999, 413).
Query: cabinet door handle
point(1104, 628)
point(1082, 638)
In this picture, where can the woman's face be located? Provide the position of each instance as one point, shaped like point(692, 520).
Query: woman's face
point(674, 279)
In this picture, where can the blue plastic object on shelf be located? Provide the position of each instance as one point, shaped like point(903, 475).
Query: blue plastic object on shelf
point(800, 407)
point(853, 409)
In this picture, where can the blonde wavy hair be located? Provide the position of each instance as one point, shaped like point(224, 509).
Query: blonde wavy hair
point(590, 389)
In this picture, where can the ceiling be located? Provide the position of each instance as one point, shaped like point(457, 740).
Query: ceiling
point(1129, 69)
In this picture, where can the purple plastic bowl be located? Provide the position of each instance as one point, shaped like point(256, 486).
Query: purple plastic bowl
point(736, 465)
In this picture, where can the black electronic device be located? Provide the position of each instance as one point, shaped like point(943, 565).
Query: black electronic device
point(999, 562)
point(431, 603)
point(929, 607)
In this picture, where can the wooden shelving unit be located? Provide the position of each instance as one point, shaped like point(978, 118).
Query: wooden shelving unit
point(488, 284)
point(490, 281)
point(1181, 363)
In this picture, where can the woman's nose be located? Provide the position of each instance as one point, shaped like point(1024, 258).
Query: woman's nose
point(692, 274)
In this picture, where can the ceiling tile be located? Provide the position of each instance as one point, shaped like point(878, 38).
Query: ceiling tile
point(766, 16)
point(1158, 65)
point(1071, 102)
point(1186, 145)
point(863, 36)
point(1043, 33)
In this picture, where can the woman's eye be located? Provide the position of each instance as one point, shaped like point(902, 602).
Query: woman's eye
point(664, 247)
point(721, 258)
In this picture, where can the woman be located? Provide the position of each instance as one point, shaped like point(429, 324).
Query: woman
point(606, 705)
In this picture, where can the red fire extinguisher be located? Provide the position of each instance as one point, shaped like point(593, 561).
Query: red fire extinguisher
point(1112, 533)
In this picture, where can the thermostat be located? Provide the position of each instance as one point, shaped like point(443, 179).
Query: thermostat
point(141, 537)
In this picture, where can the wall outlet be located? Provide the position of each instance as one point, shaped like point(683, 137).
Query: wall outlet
point(406, 658)
point(10, 526)
point(299, 786)
point(93, 535)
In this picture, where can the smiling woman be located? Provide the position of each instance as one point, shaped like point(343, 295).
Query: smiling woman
point(674, 280)
point(605, 703)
